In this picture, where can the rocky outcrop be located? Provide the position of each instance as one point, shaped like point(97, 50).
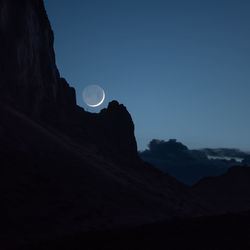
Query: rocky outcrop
point(119, 128)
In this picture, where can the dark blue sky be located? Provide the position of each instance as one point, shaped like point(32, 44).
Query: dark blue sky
point(182, 68)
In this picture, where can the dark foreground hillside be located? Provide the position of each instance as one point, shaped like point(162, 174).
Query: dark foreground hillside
point(50, 184)
point(205, 233)
point(230, 191)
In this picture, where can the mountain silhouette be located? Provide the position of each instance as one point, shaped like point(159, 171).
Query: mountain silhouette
point(65, 171)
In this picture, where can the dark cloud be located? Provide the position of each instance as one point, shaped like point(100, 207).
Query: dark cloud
point(186, 165)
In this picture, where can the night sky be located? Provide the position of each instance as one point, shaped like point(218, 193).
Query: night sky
point(182, 68)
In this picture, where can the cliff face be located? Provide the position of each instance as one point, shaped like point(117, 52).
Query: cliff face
point(29, 76)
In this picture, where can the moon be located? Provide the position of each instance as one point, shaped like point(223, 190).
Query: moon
point(93, 95)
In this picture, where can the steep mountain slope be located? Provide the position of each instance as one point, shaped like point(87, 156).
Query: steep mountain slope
point(52, 185)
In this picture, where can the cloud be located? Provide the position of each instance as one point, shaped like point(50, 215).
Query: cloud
point(186, 165)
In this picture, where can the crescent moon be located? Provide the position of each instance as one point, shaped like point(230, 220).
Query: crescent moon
point(98, 104)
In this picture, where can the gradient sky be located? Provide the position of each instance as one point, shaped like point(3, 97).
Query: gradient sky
point(182, 68)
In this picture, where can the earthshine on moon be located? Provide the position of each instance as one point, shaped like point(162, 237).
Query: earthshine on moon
point(93, 95)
